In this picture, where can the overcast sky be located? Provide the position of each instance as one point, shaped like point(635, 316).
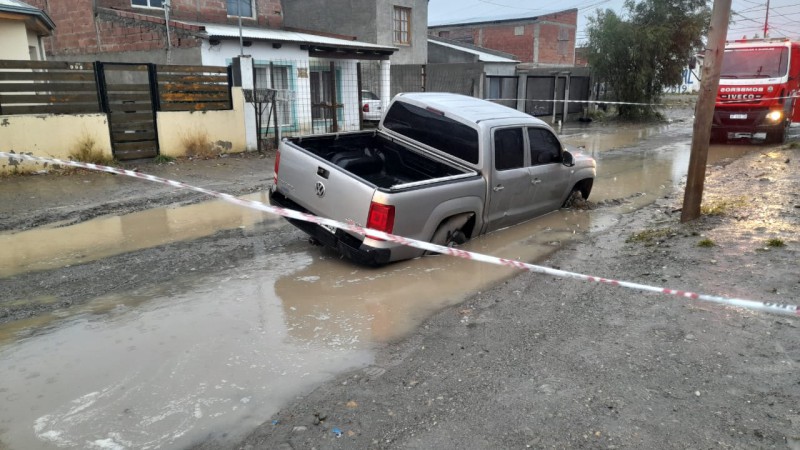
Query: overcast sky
point(784, 15)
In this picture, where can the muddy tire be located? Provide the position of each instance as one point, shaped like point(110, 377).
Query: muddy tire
point(574, 198)
point(451, 231)
point(776, 136)
point(579, 194)
point(716, 137)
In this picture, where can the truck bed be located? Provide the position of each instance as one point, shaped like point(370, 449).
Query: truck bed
point(377, 159)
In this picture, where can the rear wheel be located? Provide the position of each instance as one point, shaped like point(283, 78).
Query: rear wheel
point(453, 231)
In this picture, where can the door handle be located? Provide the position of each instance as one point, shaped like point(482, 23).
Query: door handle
point(498, 188)
point(536, 181)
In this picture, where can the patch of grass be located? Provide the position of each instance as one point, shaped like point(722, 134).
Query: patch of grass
point(163, 159)
point(706, 243)
point(794, 145)
point(196, 144)
point(775, 242)
point(85, 150)
point(649, 237)
point(723, 207)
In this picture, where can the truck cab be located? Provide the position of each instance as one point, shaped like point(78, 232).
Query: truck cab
point(758, 90)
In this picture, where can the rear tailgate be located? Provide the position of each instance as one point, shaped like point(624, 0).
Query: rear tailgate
point(321, 187)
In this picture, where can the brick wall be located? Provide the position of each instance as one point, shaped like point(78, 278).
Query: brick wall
point(503, 38)
point(556, 37)
point(74, 24)
point(268, 12)
point(116, 26)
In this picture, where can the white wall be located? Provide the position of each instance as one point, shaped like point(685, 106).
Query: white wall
point(13, 40)
point(35, 42)
point(500, 69)
point(262, 54)
point(290, 55)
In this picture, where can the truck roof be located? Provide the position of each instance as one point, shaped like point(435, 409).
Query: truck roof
point(769, 42)
point(470, 109)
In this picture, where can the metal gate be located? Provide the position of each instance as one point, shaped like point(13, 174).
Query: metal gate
point(130, 99)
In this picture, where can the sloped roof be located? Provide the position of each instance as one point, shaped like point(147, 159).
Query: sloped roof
point(274, 35)
point(483, 54)
point(515, 17)
point(16, 6)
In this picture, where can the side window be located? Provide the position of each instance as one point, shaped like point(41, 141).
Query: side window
point(509, 149)
point(545, 148)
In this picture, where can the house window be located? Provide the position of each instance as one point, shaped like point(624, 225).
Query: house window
point(148, 3)
point(243, 8)
point(519, 31)
point(402, 25)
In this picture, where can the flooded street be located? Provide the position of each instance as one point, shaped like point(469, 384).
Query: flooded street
point(171, 364)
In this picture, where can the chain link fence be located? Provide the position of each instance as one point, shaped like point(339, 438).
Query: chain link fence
point(326, 96)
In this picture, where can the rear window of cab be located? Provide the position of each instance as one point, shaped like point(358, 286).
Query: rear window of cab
point(434, 129)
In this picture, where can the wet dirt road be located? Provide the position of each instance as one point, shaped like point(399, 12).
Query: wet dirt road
point(168, 365)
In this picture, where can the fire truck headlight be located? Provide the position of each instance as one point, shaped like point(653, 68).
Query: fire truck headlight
point(775, 116)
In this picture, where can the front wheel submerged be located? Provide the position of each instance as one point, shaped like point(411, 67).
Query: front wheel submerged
point(777, 136)
point(579, 194)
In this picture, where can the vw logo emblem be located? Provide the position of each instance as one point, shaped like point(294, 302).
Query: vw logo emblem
point(320, 188)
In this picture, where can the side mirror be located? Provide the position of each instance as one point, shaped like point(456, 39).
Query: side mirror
point(567, 159)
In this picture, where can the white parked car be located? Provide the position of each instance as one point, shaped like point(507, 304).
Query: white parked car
point(370, 106)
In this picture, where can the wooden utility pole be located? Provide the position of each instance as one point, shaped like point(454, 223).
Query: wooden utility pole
point(704, 110)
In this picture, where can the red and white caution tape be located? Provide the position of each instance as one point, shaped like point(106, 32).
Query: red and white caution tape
point(608, 102)
point(777, 308)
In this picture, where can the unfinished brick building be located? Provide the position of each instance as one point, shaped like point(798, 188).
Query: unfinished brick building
point(119, 30)
point(543, 41)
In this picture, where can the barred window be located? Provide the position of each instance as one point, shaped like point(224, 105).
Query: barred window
point(402, 25)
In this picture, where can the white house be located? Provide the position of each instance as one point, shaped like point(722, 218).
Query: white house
point(21, 28)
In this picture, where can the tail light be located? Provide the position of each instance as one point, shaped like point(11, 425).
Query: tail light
point(381, 217)
point(277, 165)
point(365, 108)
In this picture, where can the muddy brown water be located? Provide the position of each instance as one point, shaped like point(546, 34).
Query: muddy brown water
point(166, 366)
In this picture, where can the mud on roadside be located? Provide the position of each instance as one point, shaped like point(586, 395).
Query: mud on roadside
point(60, 199)
point(64, 197)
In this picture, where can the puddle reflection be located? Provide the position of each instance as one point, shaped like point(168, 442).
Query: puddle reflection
point(332, 298)
point(52, 248)
point(171, 371)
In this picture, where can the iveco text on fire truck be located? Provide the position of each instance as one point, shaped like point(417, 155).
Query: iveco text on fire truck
point(758, 95)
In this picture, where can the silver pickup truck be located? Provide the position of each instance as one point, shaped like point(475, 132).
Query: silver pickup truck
point(440, 167)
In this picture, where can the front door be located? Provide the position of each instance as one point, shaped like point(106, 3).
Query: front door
point(548, 175)
point(325, 106)
point(510, 184)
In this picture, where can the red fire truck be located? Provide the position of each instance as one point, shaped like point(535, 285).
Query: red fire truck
point(759, 90)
